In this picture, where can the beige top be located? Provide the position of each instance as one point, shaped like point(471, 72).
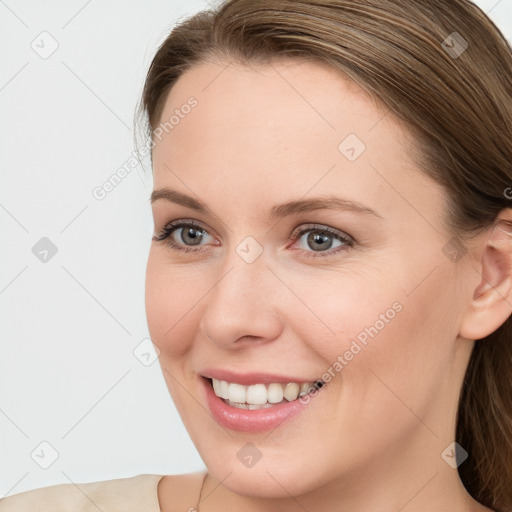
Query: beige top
point(134, 494)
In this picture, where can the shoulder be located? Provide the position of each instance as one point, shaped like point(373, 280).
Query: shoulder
point(127, 494)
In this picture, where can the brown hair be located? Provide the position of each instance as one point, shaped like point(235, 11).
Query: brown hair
point(411, 57)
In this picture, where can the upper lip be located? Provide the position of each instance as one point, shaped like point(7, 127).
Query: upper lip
point(249, 378)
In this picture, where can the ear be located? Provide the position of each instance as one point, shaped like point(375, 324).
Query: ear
point(491, 304)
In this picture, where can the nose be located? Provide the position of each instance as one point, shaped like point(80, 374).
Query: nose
point(243, 306)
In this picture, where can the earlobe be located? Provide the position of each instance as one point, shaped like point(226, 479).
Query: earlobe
point(491, 303)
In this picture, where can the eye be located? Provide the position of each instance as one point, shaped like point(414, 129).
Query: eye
point(185, 230)
point(186, 236)
point(320, 239)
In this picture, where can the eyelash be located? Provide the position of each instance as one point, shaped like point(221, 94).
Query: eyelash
point(165, 237)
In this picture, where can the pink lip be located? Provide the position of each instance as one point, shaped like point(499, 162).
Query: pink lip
point(246, 420)
point(247, 379)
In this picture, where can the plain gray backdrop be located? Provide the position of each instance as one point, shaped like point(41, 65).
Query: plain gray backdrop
point(82, 397)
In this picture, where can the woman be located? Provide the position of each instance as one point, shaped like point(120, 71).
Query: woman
point(370, 374)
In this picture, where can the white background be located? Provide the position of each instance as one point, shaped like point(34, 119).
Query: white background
point(69, 326)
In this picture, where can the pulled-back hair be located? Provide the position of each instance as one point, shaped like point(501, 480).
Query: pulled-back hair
point(445, 70)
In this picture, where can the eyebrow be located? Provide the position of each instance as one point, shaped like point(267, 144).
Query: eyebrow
point(277, 211)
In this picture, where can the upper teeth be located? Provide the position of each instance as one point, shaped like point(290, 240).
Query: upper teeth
point(259, 394)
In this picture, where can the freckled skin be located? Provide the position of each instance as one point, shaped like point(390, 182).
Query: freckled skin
point(373, 437)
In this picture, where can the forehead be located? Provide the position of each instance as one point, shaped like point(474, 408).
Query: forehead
point(283, 129)
point(290, 95)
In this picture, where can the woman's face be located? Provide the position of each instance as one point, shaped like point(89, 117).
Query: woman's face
point(371, 307)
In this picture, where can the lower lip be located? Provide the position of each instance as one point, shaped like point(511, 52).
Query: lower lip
point(247, 420)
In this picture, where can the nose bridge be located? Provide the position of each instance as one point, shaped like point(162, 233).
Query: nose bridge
point(245, 275)
point(241, 303)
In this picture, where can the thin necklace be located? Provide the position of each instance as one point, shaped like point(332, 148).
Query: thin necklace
point(201, 491)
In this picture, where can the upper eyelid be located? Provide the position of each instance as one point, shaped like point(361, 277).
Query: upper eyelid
point(181, 223)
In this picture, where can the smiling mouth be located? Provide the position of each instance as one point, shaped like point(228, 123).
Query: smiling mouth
point(261, 396)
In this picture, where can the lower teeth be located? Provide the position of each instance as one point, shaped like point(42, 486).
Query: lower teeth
point(250, 406)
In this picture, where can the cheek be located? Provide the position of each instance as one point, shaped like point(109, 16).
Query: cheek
point(331, 308)
point(367, 319)
point(171, 307)
point(376, 337)
point(392, 368)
